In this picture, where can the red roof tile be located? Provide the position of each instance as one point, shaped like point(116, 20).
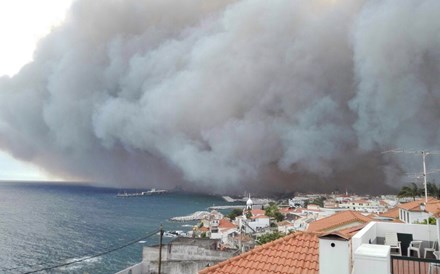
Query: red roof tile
point(337, 220)
point(295, 253)
point(433, 205)
point(391, 213)
point(226, 224)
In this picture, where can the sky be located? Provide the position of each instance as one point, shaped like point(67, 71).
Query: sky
point(20, 31)
point(220, 95)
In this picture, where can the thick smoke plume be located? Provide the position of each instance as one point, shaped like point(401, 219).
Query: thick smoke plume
point(230, 95)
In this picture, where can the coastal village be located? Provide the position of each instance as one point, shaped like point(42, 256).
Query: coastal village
point(309, 233)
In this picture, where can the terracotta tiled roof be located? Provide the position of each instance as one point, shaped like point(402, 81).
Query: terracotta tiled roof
point(361, 201)
point(391, 213)
point(337, 220)
point(226, 224)
point(351, 231)
point(284, 223)
point(433, 205)
point(296, 253)
point(256, 212)
point(203, 229)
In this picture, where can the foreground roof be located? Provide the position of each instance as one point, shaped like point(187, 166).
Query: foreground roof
point(296, 253)
point(335, 221)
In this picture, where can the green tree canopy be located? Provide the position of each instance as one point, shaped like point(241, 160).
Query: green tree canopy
point(410, 191)
point(268, 237)
point(234, 213)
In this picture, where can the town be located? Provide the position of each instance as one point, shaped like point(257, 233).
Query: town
point(309, 233)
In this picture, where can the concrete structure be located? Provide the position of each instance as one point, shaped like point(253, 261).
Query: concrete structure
point(334, 254)
point(369, 206)
point(372, 259)
point(181, 256)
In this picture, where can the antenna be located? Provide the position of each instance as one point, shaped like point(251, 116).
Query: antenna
point(424, 153)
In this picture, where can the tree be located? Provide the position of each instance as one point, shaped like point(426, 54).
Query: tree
point(410, 191)
point(234, 213)
point(433, 190)
point(273, 211)
point(268, 237)
point(431, 221)
point(319, 201)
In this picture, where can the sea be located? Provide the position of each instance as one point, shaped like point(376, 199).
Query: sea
point(46, 225)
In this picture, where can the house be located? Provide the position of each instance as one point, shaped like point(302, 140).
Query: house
point(362, 205)
point(285, 227)
point(338, 221)
point(224, 229)
point(418, 211)
point(295, 253)
point(255, 221)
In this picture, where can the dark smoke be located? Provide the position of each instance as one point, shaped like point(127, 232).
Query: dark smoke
point(230, 95)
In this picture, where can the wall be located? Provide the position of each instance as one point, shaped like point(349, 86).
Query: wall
point(184, 252)
point(367, 235)
point(179, 267)
point(334, 256)
point(374, 230)
point(135, 269)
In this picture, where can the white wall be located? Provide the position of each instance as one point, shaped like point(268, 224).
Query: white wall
point(418, 217)
point(370, 259)
point(365, 236)
point(334, 256)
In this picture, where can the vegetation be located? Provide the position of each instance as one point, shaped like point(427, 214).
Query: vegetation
point(273, 211)
point(412, 191)
point(234, 213)
point(433, 190)
point(431, 221)
point(269, 237)
point(317, 201)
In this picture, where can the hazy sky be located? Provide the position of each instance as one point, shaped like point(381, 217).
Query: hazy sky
point(221, 95)
point(20, 30)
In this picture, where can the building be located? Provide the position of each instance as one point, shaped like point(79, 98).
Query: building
point(181, 256)
point(370, 206)
point(338, 221)
point(296, 253)
point(418, 211)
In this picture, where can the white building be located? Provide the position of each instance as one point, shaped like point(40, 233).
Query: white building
point(418, 211)
point(370, 206)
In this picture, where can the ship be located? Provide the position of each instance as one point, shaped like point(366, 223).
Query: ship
point(152, 191)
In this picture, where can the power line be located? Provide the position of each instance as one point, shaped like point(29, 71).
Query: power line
point(88, 257)
point(424, 153)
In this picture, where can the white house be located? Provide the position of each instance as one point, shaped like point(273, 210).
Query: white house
point(418, 211)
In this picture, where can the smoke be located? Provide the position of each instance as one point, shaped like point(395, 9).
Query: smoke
point(230, 95)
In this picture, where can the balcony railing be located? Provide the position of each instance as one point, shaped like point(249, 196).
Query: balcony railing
point(414, 265)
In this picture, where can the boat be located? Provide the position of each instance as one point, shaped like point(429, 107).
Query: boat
point(152, 191)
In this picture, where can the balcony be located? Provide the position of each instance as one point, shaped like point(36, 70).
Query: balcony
point(371, 253)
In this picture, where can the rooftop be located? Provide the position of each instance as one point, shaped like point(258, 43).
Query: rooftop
point(432, 206)
point(296, 253)
point(338, 221)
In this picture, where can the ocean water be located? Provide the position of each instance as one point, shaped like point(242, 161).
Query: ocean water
point(42, 225)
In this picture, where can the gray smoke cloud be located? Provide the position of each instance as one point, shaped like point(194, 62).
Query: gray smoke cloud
point(224, 96)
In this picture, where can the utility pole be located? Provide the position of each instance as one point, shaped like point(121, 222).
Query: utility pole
point(424, 153)
point(160, 250)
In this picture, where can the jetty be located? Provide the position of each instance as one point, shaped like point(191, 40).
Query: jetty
point(226, 207)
